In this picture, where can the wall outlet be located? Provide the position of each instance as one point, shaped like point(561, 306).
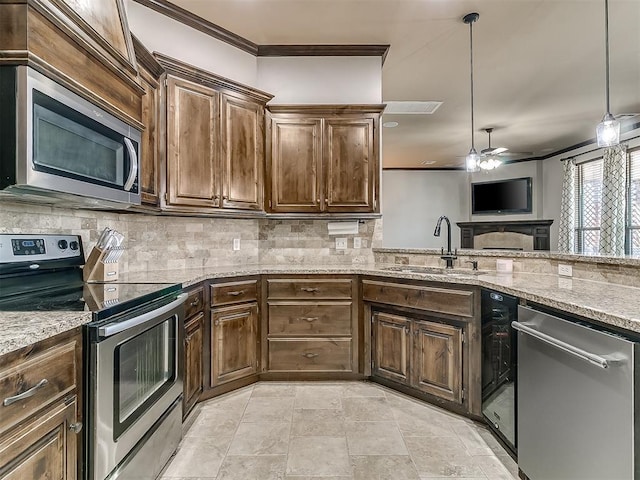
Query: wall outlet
point(341, 243)
point(565, 270)
point(236, 244)
point(357, 242)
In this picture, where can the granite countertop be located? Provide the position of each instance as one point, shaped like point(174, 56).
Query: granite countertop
point(607, 303)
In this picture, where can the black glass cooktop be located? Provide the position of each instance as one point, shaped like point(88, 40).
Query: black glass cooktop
point(65, 291)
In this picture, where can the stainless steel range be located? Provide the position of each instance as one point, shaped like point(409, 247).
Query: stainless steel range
point(133, 379)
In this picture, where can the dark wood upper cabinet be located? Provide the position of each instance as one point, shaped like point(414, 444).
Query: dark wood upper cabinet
point(324, 158)
point(296, 165)
point(215, 141)
point(192, 144)
point(152, 148)
point(351, 168)
point(85, 46)
point(242, 153)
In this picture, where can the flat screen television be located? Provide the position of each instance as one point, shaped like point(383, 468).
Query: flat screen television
point(501, 197)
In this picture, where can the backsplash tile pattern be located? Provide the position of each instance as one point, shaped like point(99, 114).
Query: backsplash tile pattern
point(151, 242)
point(160, 242)
point(308, 241)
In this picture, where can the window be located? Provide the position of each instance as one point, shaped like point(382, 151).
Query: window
point(589, 201)
point(633, 223)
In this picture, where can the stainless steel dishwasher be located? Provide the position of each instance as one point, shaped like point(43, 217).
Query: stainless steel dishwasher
point(576, 394)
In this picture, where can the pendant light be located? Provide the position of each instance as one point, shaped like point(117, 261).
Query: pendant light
point(608, 131)
point(472, 160)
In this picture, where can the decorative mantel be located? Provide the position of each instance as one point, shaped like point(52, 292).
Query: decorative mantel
point(538, 229)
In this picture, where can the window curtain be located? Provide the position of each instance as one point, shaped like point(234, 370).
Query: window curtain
point(567, 227)
point(614, 180)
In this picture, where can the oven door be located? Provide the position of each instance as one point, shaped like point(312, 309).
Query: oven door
point(136, 377)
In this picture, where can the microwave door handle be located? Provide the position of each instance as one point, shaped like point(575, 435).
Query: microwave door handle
point(133, 168)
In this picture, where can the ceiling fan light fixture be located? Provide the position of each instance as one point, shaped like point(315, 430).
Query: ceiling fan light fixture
point(607, 131)
point(489, 163)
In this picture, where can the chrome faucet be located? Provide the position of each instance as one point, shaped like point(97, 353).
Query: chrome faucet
point(450, 256)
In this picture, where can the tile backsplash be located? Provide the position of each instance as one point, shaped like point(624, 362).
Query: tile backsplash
point(160, 242)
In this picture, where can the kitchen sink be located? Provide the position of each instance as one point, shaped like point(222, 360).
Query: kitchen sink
point(452, 272)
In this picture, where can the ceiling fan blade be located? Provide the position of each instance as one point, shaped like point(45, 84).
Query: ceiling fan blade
point(493, 151)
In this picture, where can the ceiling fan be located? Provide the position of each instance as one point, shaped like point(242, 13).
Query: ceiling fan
point(499, 151)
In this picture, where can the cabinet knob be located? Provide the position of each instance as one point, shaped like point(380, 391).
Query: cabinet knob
point(195, 302)
point(225, 197)
point(216, 197)
point(310, 355)
point(317, 200)
point(326, 200)
point(216, 323)
point(309, 289)
point(235, 293)
point(75, 427)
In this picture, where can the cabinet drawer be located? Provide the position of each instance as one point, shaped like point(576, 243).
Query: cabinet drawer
point(41, 380)
point(310, 318)
point(302, 288)
point(195, 302)
point(234, 292)
point(326, 355)
point(440, 300)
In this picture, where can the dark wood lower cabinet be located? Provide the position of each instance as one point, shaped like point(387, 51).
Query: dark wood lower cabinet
point(44, 448)
point(193, 349)
point(437, 360)
point(423, 355)
point(391, 346)
point(234, 335)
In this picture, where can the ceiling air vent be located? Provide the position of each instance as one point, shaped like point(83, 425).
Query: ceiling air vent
point(411, 108)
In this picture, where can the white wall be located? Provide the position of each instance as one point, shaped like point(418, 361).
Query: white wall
point(162, 34)
point(412, 201)
point(317, 80)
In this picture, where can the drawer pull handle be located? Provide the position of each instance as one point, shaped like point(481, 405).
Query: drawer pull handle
point(29, 393)
point(236, 293)
point(309, 289)
point(309, 319)
point(310, 355)
point(195, 302)
point(75, 427)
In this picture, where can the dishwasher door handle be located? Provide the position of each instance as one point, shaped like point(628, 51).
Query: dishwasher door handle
point(592, 358)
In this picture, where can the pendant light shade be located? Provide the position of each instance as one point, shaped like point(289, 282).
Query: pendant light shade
point(607, 131)
point(473, 159)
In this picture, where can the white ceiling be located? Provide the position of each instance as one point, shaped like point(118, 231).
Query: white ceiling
point(539, 65)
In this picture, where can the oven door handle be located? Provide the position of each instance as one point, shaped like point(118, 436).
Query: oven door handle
point(109, 330)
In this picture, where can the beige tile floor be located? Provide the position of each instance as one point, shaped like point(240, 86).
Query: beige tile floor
point(341, 430)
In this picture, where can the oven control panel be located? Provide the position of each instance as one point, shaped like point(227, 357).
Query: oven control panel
point(39, 247)
point(28, 246)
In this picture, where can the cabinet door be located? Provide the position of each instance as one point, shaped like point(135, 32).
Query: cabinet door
point(391, 354)
point(437, 360)
point(149, 145)
point(233, 342)
point(193, 345)
point(44, 448)
point(295, 165)
point(351, 166)
point(192, 144)
point(242, 153)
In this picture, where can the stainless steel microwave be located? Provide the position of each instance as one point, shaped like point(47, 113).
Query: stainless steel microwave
point(55, 144)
